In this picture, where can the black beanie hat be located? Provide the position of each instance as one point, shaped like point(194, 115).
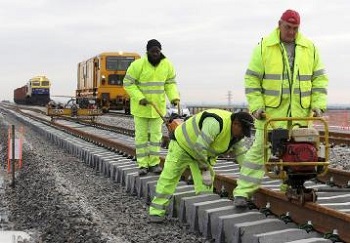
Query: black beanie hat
point(246, 121)
point(152, 43)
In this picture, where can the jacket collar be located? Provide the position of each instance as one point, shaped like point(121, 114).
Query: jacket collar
point(274, 38)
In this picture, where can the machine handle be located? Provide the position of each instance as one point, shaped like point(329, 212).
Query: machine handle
point(159, 113)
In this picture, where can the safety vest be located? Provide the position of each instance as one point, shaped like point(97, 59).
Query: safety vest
point(143, 80)
point(187, 133)
point(271, 85)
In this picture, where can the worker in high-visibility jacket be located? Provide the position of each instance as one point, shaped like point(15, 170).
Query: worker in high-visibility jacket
point(150, 79)
point(285, 78)
point(196, 144)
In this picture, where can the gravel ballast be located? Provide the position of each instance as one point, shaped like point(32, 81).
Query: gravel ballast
point(57, 198)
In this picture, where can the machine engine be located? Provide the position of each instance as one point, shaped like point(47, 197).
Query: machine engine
point(297, 155)
point(300, 152)
point(299, 146)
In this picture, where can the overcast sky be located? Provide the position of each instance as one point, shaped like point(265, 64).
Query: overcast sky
point(210, 42)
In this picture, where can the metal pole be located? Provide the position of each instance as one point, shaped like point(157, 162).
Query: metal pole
point(13, 156)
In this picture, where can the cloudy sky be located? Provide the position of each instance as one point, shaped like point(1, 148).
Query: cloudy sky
point(209, 41)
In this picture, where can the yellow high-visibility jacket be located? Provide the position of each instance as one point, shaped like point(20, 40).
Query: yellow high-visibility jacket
point(206, 146)
point(143, 80)
point(270, 84)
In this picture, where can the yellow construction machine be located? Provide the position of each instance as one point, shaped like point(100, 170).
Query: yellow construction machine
point(72, 110)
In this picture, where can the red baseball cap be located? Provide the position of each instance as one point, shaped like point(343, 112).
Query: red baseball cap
point(291, 17)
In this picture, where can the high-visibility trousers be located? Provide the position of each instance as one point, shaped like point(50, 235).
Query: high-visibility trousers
point(148, 135)
point(252, 168)
point(177, 160)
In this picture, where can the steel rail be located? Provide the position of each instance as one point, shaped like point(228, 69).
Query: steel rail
point(323, 219)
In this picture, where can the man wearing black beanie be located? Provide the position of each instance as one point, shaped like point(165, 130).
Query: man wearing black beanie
point(152, 43)
point(154, 53)
point(149, 80)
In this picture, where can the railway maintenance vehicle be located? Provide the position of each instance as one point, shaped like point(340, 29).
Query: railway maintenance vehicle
point(100, 79)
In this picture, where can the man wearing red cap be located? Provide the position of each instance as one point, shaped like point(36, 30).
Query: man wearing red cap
point(285, 78)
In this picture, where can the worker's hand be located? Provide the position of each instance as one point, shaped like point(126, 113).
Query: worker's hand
point(211, 161)
point(317, 112)
point(206, 178)
point(259, 114)
point(143, 102)
point(175, 102)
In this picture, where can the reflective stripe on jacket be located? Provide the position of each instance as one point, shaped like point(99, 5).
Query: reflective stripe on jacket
point(143, 80)
point(187, 135)
point(270, 85)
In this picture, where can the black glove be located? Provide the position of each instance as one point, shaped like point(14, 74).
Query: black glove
point(175, 101)
point(143, 102)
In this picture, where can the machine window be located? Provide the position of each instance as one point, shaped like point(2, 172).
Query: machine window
point(45, 83)
point(118, 63)
point(115, 79)
point(35, 83)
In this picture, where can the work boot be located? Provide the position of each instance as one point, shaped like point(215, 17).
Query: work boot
point(240, 202)
point(156, 219)
point(143, 171)
point(156, 169)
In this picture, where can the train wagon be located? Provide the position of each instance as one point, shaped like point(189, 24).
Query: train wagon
point(35, 92)
point(100, 81)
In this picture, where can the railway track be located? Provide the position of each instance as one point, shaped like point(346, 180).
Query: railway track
point(213, 215)
point(335, 137)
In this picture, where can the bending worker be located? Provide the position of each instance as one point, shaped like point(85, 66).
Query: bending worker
point(285, 78)
point(196, 144)
point(148, 80)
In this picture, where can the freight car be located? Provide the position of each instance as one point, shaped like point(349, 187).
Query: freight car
point(35, 92)
point(100, 81)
